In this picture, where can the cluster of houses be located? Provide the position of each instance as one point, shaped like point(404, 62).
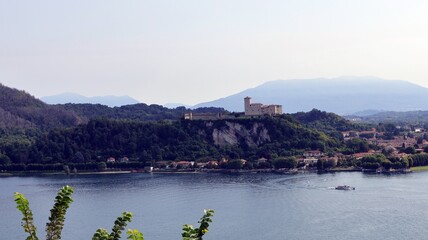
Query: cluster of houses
point(371, 134)
point(416, 138)
point(120, 160)
point(309, 158)
point(411, 137)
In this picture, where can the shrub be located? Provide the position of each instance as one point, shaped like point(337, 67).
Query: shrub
point(62, 202)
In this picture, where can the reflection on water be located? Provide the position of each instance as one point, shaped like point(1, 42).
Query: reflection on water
point(249, 206)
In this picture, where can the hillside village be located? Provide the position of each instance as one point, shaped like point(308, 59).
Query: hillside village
point(394, 142)
point(400, 147)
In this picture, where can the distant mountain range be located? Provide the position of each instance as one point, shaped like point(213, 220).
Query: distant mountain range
point(20, 110)
point(175, 105)
point(344, 95)
point(360, 97)
point(418, 118)
point(111, 101)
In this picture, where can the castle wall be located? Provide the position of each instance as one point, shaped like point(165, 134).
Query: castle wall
point(257, 109)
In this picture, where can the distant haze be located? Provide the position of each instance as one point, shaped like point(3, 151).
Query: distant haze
point(111, 101)
point(345, 95)
point(200, 50)
point(175, 105)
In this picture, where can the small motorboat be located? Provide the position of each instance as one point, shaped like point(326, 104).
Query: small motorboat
point(344, 187)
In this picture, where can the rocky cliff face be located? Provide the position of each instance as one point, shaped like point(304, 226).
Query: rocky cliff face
point(234, 133)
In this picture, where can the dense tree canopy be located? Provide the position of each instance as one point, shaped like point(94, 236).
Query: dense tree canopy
point(329, 123)
point(166, 140)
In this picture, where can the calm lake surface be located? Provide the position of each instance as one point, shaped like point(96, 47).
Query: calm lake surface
point(248, 206)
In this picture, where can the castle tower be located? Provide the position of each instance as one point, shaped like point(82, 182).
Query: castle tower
point(247, 102)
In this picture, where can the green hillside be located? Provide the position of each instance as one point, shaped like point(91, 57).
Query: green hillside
point(175, 140)
point(19, 109)
point(34, 132)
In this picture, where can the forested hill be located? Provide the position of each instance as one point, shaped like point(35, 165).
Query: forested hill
point(90, 133)
point(329, 123)
point(19, 109)
point(140, 111)
point(176, 140)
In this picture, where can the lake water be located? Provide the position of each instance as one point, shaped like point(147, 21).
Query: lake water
point(248, 206)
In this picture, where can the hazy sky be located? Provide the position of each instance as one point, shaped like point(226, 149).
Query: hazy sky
point(191, 51)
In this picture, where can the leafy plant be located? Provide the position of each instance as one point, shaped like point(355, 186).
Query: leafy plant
point(191, 233)
point(57, 217)
point(62, 202)
point(119, 226)
point(27, 221)
point(134, 234)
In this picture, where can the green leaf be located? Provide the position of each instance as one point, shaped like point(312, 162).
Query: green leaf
point(101, 234)
point(134, 234)
point(56, 220)
point(23, 206)
point(191, 233)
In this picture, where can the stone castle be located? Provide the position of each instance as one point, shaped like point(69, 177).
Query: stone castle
point(257, 109)
point(251, 109)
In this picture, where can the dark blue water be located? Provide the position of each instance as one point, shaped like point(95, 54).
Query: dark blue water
point(250, 207)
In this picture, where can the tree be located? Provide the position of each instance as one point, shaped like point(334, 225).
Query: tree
point(4, 159)
point(78, 158)
point(320, 164)
point(330, 163)
point(388, 150)
point(373, 162)
point(285, 162)
point(235, 164)
point(234, 155)
point(102, 166)
point(410, 150)
point(264, 165)
point(358, 145)
point(248, 165)
point(386, 164)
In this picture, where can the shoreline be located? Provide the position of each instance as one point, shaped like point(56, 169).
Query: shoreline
point(208, 171)
point(419, 169)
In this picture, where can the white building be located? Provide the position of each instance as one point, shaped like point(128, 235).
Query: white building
point(257, 109)
point(315, 153)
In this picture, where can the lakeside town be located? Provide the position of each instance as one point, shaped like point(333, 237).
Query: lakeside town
point(260, 139)
point(397, 143)
point(386, 149)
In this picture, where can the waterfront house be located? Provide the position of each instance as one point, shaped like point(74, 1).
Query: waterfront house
point(124, 160)
point(363, 154)
point(183, 164)
point(163, 164)
point(212, 164)
point(261, 160)
point(310, 160)
point(148, 168)
point(313, 153)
